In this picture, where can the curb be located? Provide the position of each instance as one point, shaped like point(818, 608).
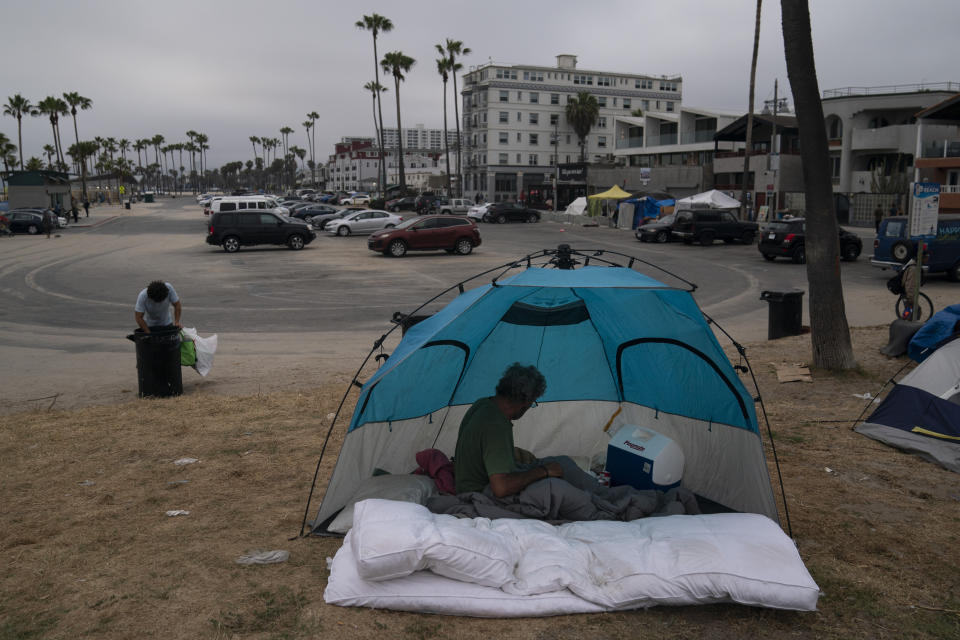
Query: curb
point(94, 224)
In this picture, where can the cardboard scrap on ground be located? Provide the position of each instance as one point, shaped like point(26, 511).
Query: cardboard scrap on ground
point(787, 372)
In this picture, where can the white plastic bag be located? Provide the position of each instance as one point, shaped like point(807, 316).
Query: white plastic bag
point(205, 348)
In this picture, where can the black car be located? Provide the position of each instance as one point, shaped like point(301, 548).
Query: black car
point(233, 229)
point(320, 221)
point(785, 238)
point(706, 225)
point(513, 211)
point(401, 204)
point(25, 222)
point(660, 230)
point(308, 212)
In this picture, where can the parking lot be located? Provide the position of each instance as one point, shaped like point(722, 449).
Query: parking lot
point(288, 317)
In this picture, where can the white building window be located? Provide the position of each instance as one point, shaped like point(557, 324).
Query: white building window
point(504, 137)
point(626, 103)
point(602, 101)
point(504, 116)
point(518, 159)
point(534, 139)
point(519, 136)
point(669, 106)
point(602, 122)
point(554, 118)
point(504, 159)
point(603, 81)
point(534, 97)
point(504, 96)
point(601, 141)
point(554, 98)
point(534, 118)
point(532, 159)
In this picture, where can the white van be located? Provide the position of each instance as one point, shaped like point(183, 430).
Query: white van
point(242, 203)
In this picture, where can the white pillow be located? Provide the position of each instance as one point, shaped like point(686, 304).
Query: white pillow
point(393, 539)
point(403, 487)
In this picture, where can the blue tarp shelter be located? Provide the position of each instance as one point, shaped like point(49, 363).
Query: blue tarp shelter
point(617, 347)
point(647, 207)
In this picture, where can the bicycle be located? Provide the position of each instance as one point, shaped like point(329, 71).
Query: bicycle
point(904, 285)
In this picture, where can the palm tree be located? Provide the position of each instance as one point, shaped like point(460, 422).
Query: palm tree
point(829, 331)
point(7, 152)
point(202, 147)
point(582, 112)
point(443, 68)
point(453, 49)
point(313, 116)
point(34, 164)
point(18, 106)
point(397, 63)
point(753, 82)
point(48, 107)
point(285, 134)
point(81, 152)
point(300, 153)
point(49, 151)
point(375, 88)
point(376, 24)
point(75, 100)
point(156, 141)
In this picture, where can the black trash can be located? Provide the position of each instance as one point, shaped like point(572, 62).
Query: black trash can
point(785, 314)
point(158, 362)
point(126, 205)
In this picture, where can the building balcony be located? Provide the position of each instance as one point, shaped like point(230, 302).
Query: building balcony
point(941, 149)
point(901, 137)
point(630, 143)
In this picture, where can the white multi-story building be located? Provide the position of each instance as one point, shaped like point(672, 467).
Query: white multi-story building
point(421, 138)
point(516, 133)
point(355, 163)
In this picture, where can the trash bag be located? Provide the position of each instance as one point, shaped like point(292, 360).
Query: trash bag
point(188, 352)
point(204, 349)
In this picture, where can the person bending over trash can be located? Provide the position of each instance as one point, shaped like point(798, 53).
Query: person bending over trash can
point(152, 310)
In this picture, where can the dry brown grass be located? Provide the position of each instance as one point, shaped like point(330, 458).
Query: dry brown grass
point(879, 532)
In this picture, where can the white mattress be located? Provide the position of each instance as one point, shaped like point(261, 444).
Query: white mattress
point(401, 556)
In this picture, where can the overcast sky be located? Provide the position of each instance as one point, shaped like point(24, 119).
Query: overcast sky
point(236, 68)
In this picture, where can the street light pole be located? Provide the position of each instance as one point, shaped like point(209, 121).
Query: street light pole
point(556, 160)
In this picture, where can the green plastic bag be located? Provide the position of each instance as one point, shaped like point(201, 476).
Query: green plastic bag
point(188, 352)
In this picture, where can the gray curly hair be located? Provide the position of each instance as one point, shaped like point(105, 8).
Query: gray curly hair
point(521, 383)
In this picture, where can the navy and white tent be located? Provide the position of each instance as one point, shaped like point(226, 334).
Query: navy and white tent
point(607, 338)
point(921, 414)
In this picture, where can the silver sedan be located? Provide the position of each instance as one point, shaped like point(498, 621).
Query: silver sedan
point(362, 222)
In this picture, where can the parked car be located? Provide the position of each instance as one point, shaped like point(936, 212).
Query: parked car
point(320, 221)
point(356, 198)
point(233, 229)
point(361, 222)
point(706, 225)
point(400, 204)
point(785, 239)
point(59, 222)
point(454, 234)
point(513, 211)
point(25, 222)
point(893, 246)
point(307, 213)
point(660, 230)
point(478, 212)
point(455, 206)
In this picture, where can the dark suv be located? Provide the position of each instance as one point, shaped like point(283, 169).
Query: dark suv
point(233, 229)
point(785, 238)
point(706, 225)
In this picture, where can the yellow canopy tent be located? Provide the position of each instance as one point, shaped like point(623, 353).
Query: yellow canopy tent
point(613, 193)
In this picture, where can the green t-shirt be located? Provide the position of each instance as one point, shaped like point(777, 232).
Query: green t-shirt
point(484, 446)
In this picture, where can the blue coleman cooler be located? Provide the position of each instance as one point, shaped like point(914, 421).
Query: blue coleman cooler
point(644, 459)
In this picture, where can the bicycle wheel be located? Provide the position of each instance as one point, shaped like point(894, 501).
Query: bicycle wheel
point(924, 307)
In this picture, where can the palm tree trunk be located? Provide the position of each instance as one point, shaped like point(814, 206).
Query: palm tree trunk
point(829, 331)
point(753, 79)
point(403, 179)
point(446, 143)
point(20, 138)
point(382, 175)
point(456, 113)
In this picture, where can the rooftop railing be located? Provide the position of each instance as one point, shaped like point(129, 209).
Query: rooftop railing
point(892, 88)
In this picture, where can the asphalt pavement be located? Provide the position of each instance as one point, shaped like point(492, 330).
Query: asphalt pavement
point(292, 318)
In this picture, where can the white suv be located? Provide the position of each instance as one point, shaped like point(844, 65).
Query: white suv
point(460, 206)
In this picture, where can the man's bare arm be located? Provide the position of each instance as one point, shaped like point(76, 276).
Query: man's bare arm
point(507, 484)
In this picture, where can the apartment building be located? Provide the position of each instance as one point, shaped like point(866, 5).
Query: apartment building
point(939, 160)
point(421, 138)
point(516, 135)
point(355, 162)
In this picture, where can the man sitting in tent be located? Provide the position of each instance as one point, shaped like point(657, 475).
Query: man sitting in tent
point(495, 480)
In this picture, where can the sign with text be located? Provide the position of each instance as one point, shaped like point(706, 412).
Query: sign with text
point(763, 213)
point(925, 209)
point(572, 172)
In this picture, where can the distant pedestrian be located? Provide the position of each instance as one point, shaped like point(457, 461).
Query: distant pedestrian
point(478, 198)
point(47, 222)
point(86, 207)
point(75, 212)
point(877, 217)
point(893, 209)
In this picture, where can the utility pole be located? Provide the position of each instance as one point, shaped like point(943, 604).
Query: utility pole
point(774, 153)
point(556, 160)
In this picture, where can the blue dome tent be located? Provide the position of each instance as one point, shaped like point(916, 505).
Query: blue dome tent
point(616, 347)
